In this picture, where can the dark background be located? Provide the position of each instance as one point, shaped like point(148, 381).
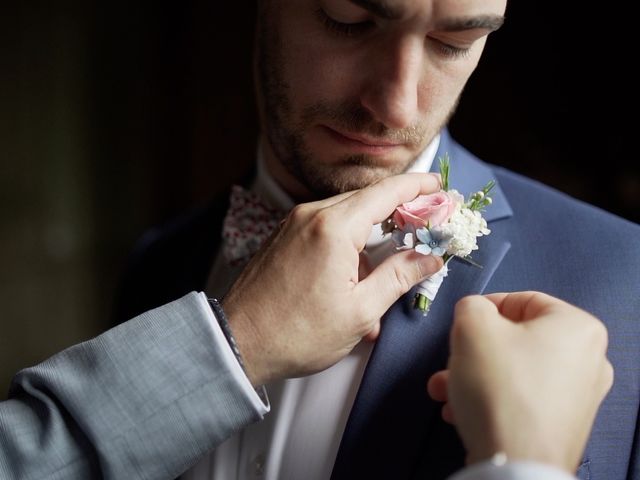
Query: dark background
point(116, 116)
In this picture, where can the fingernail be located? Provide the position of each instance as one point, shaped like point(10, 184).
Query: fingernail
point(428, 264)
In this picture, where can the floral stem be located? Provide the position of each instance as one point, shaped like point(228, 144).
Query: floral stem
point(422, 303)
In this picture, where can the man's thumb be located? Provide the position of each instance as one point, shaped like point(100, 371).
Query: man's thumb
point(394, 277)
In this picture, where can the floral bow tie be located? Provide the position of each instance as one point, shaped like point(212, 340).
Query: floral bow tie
point(247, 225)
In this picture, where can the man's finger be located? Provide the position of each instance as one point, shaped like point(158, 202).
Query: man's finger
point(522, 306)
point(373, 334)
point(376, 202)
point(364, 266)
point(472, 310)
point(394, 277)
point(437, 386)
point(447, 414)
point(330, 201)
point(473, 317)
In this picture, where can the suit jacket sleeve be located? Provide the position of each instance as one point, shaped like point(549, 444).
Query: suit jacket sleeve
point(144, 400)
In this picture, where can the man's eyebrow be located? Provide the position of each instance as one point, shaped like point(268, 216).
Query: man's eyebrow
point(379, 8)
point(384, 10)
point(486, 22)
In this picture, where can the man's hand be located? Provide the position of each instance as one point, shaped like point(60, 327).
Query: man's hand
point(301, 305)
point(526, 376)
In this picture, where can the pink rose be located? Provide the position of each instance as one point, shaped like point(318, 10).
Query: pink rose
point(434, 209)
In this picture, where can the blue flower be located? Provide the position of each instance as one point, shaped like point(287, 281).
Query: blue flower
point(432, 242)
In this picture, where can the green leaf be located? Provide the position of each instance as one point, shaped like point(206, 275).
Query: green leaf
point(444, 171)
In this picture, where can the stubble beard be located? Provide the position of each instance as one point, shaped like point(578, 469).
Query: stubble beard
point(286, 137)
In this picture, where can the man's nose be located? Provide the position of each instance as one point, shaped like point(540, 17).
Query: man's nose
point(391, 88)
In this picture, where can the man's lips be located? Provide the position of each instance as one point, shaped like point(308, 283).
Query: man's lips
point(362, 143)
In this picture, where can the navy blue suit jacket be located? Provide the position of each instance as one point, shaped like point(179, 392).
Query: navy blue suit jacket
point(541, 240)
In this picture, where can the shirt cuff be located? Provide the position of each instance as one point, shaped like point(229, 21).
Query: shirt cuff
point(258, 399)
point(512, 471)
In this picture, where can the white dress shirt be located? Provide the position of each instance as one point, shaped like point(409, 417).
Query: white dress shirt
point(299, 439)
point(512, 471)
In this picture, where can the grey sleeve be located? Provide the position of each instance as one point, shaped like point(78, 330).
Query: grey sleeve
point(144, 400)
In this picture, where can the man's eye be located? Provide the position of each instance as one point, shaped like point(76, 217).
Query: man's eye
point(450, 51)
point(340, 28)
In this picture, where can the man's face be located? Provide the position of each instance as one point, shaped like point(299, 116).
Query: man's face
point(351, 91)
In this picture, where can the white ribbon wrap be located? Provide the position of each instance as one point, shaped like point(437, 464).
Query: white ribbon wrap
point(429, 287)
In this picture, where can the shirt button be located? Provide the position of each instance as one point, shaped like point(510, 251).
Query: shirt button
point(259, 463)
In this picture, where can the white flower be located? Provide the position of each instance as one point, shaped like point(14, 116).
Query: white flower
point(464, 227)
point(457, 197)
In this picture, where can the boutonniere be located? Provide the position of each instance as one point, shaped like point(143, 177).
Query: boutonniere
point(442, 224)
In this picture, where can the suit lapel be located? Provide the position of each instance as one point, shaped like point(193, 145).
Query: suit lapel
point(390, 421)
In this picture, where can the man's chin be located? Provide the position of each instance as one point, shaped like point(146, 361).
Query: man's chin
point(347, 178)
